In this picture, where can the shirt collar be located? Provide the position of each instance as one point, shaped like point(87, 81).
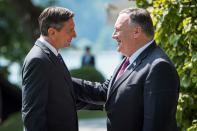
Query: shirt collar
point(47, 44)
point(138, 52)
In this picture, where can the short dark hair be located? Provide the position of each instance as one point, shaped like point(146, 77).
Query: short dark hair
point(53, 17)
point(87, 48)
point(142, 18)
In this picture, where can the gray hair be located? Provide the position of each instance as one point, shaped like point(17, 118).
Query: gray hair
point(142, 18)
point(53, 17)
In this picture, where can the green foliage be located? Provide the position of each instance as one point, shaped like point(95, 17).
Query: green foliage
point(14, 123)
point(176, 32)
point(193, 127)
point(88, 73)
point(13, 43)
point(186, 110)
point(143, 3)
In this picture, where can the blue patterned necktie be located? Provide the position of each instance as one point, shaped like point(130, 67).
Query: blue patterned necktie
point(60, 59)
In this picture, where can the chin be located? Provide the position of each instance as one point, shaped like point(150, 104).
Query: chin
point(119, 49)
point(67, 44)
point(122, 53)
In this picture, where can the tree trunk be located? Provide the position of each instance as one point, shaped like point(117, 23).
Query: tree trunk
point(28, 15)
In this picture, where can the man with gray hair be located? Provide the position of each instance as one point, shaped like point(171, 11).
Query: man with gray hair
point(48, 100)
point(142, 93)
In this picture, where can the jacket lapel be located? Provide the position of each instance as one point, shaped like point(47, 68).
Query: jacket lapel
point(63, 69)
point(47, 51)
point(116, 72)
point(131, 68)
point(114, 76)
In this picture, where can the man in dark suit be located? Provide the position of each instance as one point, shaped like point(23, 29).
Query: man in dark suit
point(48, 101)
point(143, 92)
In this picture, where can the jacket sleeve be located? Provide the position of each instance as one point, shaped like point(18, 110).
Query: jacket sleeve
point(160, 97)
point(90, 92)
point(34, 95)
point(81, 105)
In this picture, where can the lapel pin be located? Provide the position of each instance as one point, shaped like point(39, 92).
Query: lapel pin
point(134, 63)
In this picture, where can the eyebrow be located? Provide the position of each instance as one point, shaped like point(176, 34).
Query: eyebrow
point(117, 28)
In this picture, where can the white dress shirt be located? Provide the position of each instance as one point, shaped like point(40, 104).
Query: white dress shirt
point(137, 53)
point(48, 45)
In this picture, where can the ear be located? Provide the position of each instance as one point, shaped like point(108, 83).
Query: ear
point(51, 32)
point(137, 31)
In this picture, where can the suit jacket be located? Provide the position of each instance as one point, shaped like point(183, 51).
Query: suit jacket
point(91, 61)
point(48, 101)
point(144, 98)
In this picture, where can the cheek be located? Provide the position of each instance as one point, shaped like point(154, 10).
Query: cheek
point(120, 35)
point(63, 37)
point(67, 36)
point(123, 36)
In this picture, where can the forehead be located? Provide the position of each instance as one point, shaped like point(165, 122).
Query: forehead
point(122, 20)
point(69, 24)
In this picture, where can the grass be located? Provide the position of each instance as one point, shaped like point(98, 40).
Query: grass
point(90, 114)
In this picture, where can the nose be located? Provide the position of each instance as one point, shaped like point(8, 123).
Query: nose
point(74, 34)
point(114, 35)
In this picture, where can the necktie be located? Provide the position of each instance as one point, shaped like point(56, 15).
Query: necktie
point(60, 59)
point(62, 62)
point(122, 69)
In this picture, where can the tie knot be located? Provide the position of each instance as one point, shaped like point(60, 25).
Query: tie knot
point(125, 64)
point(122, 69)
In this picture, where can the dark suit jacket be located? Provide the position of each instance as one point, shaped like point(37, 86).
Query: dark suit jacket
point(48, 101)
point(144, 98)
point(91, 61)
